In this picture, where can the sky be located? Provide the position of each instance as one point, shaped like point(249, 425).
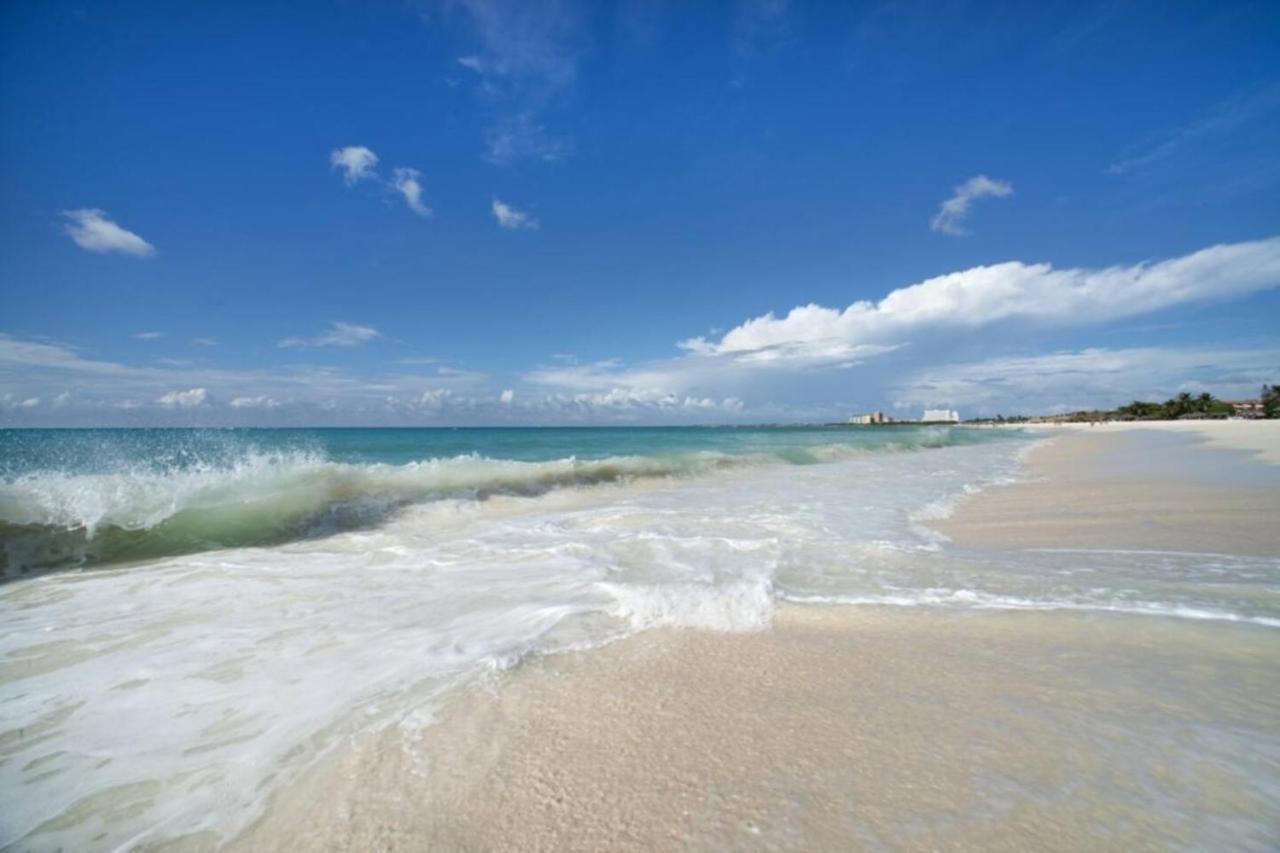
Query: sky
point(477, 212)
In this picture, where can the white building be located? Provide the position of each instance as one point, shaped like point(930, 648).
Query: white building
point(949, 416)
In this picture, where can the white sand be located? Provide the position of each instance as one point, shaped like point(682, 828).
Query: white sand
point(1261, 437)
point(1122, 486)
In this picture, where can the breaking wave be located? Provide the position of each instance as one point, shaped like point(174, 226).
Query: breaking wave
point(56, 519)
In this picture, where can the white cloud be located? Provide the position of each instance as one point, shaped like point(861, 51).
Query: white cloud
point(148, 336)
point(434, 398)
point(205, 342)
point(340, 335)
point(188, 399)
point(984, 295)
point(356, 162)
point(259, 402)
point(405, 181)
point(360, 164)
point(506, 397)
point(63, 399)
point(1072, 380)
point(951, 215)
point(30, 403)
point(511, 219)
point(92, 230)
point(305, 394)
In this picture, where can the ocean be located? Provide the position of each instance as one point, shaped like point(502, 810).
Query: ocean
point(189, 619)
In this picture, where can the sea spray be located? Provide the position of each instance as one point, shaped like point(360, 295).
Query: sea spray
point(72, 499)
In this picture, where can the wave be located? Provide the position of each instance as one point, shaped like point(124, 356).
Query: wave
point(52, 519)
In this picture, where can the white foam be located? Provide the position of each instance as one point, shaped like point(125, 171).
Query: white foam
point(965, 598)
point(732, 607)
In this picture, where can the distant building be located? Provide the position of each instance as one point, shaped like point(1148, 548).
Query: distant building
point(1247, 408)
point(941, 416)
point(873, 418)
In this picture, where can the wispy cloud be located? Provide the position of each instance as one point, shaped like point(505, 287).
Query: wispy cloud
point(1225, 118)
point(261, 401)
point(93, 231)
point(148, 336)
point(205, 342)
point(522, 137)
point(526, 58)
point(356, 162)
point(510, 218)
point(405, 181)
point(954, 211)
point(339, 335)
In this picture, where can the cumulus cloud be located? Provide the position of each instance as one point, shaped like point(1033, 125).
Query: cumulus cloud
point(356, 162)
point(954, 211)
point(339, 335)
point(405, 181)
point(188, 399)
point(360, 164)
point(93, 231)
point(506, 397)
point(511, 219)
point(984, 295)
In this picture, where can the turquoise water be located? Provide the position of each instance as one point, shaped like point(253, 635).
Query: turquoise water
point(72, 498)
point(85, 451)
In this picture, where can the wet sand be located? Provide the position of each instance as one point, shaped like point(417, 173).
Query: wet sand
point(1207, 488)
point(870, 727)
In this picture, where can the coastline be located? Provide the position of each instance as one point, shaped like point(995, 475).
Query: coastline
point(871, 726)
point(1199, 487)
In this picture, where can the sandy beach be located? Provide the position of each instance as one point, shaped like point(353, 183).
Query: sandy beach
point(878, 727)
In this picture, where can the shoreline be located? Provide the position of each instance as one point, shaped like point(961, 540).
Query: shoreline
point(1201, 489)
point(862, 726)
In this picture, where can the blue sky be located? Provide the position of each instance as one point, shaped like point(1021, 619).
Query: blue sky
point(482, 212)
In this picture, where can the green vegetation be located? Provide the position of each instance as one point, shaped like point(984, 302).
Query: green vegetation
point(1183, 404)
point(1271, 401)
